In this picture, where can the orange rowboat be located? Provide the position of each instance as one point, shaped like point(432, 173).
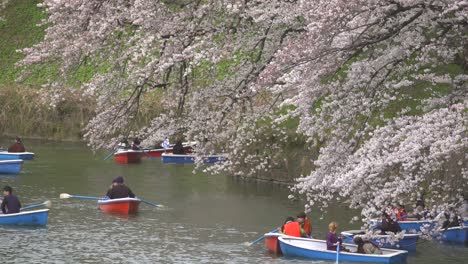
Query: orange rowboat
point(120, 205)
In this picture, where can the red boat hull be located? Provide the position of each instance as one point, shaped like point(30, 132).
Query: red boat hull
point(272, 244)
point(123, 205)
point(125, 157)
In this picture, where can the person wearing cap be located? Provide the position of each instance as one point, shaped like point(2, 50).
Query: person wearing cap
point(10, 203)
point(388, 225)
point(17, 146)
point(292, 228)
point(304, 221)
point(119, 189)
point(366, 246)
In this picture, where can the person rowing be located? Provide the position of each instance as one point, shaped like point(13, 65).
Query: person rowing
point(17, 146)
point(366, 247)
point(10, 203)
point(119, 190)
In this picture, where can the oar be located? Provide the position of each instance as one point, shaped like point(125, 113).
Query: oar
point(150, 203)
point(110, 154)
point(46, 204)
point(338, 252)
point(66, 196)
point(151, 157)
point(261, 238)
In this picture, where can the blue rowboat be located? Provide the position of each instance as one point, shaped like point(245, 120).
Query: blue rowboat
point(411, 227)
point(29, 218)
point(10, 166)
point(188, 158)
point(315, 249)
point(5, 155)
point(458, 234)
point(408, 242)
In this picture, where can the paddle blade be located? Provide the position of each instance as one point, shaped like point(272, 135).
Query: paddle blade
point(64, 196)
point(48, 204)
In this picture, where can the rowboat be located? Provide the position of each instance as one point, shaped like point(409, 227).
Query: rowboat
point(411, 227)
point(189, 158)
point(408, 242)
point(30, 218)
point(317, 250)
point(5, 155)
point(186, 146)
point(458, 234)
point(10, 166)
point(125, 156)
point(120, 205)
point(272, 243)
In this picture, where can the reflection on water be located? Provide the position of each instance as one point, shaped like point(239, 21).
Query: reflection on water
point(207, 219)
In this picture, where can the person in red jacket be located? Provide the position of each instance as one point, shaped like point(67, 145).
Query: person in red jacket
point(292, 228)
point(304, 221)
point(17, 147)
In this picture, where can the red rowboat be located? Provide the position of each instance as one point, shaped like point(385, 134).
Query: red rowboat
point(272, 243)
point(120, 205)
point(127, 156)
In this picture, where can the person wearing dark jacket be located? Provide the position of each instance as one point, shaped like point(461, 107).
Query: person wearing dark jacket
point(178, 148)
point(10, 203)
point(388, 225)
point(119, 189)
point(17, 147)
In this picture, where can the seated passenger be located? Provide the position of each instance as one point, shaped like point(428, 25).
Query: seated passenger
point(388, 225)
point(366, 247)
point(10, 203)
point(136, 144)
point(17, 146)
point(332, 239)
point(178, 148)
point(304, 221)
point(292, 228)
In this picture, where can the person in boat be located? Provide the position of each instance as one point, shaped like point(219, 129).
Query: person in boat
point(400, 213)
point(166, 144)
point(451, 219)
point(136, 144)
point(388, 225)
point(304, 221)
point(10, 203)
point(178, 148)
point(119, 190)
point(292, 228)
point(17, 146)
point(123, 144)
point(332, 239)
point(366, 247)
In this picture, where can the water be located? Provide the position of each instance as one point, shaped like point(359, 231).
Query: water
point(206, 219)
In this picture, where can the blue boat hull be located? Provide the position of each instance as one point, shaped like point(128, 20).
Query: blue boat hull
point(4, 155)
point(10, 166)
point(304, 249)
point(457, 235)
point(407, 243)
point(27, 218)
point(176, 158)
point(413, 227)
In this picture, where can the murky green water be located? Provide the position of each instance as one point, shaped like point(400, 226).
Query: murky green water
point(207, 218)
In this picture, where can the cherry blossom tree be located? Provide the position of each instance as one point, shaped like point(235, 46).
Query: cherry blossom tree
point(378, 88)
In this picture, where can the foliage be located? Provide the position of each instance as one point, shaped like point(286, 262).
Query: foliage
point(227, 65)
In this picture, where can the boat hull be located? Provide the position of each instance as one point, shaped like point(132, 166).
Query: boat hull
point(315, 249)
point(408, 242)
point(272, 243)
point(157, 153)
point(128, 156)
point(412, 227)
point(178, 158)
point(121, 205)
point(10, 166)
point(457, 234)
point(5, 155)
point(26, 218)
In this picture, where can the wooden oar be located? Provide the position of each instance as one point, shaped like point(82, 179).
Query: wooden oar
point(47, 204)
point(150, 203)
point(66, 196)
point(261, 238)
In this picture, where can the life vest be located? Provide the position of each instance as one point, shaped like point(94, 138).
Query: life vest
point(307, 226)
point(292, 229)
point(401, 214)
